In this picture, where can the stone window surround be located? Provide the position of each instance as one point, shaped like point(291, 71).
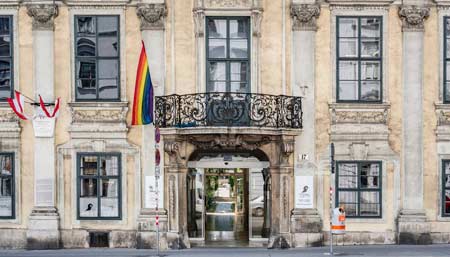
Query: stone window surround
point(106, 10)
point(356, 11)
point(201, 46)
point(11, 142)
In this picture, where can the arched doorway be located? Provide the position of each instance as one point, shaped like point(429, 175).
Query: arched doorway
point(228, 197)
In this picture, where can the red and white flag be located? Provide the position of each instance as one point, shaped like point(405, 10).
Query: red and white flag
point(17, 104)
point(55, 110)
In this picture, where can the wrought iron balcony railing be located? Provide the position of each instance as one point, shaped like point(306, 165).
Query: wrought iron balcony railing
point(228, 109)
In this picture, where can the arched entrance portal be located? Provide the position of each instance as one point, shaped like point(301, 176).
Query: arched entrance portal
point(228, 197)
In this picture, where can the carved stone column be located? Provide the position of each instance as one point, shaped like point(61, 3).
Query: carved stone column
point(152, 17)
point(412, 225)
point(43, 227)
point(306, 224)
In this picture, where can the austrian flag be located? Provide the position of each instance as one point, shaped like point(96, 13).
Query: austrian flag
point(47, 113)
point(17, 104)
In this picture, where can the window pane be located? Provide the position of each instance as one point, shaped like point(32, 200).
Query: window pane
point(86, 25)
point(370, 27)
point(348, 70)
point(86, 89)
point(348, 182)
point(348, 90)
point(447, 180)
point(370, 203)
point(447, 168)
point(108, 89)
point(86, 46)
point(88, 165)
point(88, 187)
point(109, 166)
point(5, 78)
point(88, 207)
point(217, 71)
point(217, 87)
point(370, 47)
point(370, 70)
point(448, 46)
point(86, 69)
point(348, 27)
point(107, 26)
point(447, 91)
point(109, 198)
point(107, 46)
point(217, 28)
point(348, 197)
point(5, 186)
point(217, 48)
point(370, 175)
point(107, 69)
point(6, 164)
point(238, 48)
point(370, 90)
point(5, 43)
point(239, 71)
point(348, 47)
point(5, 26)
point(239, 29)
point(348, 169)
point(237, 87)
point(6, 206)
point(447, 202)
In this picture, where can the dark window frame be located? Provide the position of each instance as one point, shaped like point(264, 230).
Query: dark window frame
point(99, 177)
point(13, 184)
point(97, 58)
point(228, 60)
point(443, 188)
point(359, 189)
point(445, 60)
point(359, 59)
point(10, 57)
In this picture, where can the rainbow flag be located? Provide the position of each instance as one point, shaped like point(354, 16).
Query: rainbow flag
point(143, 93)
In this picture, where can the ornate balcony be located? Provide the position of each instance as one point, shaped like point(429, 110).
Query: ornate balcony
point(228, 110)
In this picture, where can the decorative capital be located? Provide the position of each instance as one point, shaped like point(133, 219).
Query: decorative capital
point(43, 16)
point(304, 16)
point(199, 22)
point(257, 18)
point(413, 17)
point(152, 16)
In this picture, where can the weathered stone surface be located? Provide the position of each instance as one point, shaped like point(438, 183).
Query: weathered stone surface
point(74, 239)
point(13, 238)
point(122, 239)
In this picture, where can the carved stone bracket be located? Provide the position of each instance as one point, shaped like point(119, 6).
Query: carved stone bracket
point(257, 15)
point(227, 142)
point(199, 22)
point(413, 17)
point(173, 149)
point(304, 16)
point(43, 16)
point(287, 148)
point(152, 16)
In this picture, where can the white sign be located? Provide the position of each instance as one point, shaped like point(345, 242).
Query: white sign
point(150, 192)
point(304, 192)
point(44, 126)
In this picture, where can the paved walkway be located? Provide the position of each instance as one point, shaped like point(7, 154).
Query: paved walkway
point(364, 251)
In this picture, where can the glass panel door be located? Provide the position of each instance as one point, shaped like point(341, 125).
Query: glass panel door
point(256, 203)
point(196, 204)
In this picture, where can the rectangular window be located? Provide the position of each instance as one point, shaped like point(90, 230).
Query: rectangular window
point(7, 186)
point(6, 58)
point(446, 188)
point(228, 54)
point(359, 59)
point(358, 188)
point(446, 59)
point(99, 195)
point(97, 61)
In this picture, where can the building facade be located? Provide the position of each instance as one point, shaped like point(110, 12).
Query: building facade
point(249, 95)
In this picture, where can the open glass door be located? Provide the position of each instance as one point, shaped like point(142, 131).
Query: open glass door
point(196, 204)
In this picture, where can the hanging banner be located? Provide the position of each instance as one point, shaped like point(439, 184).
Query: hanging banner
point(304, 192)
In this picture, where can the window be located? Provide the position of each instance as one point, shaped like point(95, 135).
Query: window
point(446, 188)
point(359, 59)
point(358, 188)
point(7, 186)
point(6, 58)
point(99, 195)
point(446, 59)
point(97, 58)
point(228, 44)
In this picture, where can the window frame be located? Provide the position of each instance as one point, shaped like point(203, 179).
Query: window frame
point(358, 190)
point(13, 185)
point(445, 60)
point(99, 177)
point(228, 60)
point(443, 188)
point(359, 59)
point(97, 58)
point(11, 56)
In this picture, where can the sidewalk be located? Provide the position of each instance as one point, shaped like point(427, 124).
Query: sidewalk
point(365, 251)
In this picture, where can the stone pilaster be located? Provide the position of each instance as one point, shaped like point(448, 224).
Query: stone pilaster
point(43, 229)
point(152, 17)
point(306, 224)
point(412, 225)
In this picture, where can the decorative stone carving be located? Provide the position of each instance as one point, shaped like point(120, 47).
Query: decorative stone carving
point(152, 16)
point(43, 16)
point(286, 198)
point(173, 149)
point(256, 21)
point(413, 17)
point(247, 142)
point(228, 3)
point(7, 115)
point(98, 115)
point(359, 151)
point(172, 195)
point(359, 116)
point(199, 22)
point(287, 148)
point(304, 16)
